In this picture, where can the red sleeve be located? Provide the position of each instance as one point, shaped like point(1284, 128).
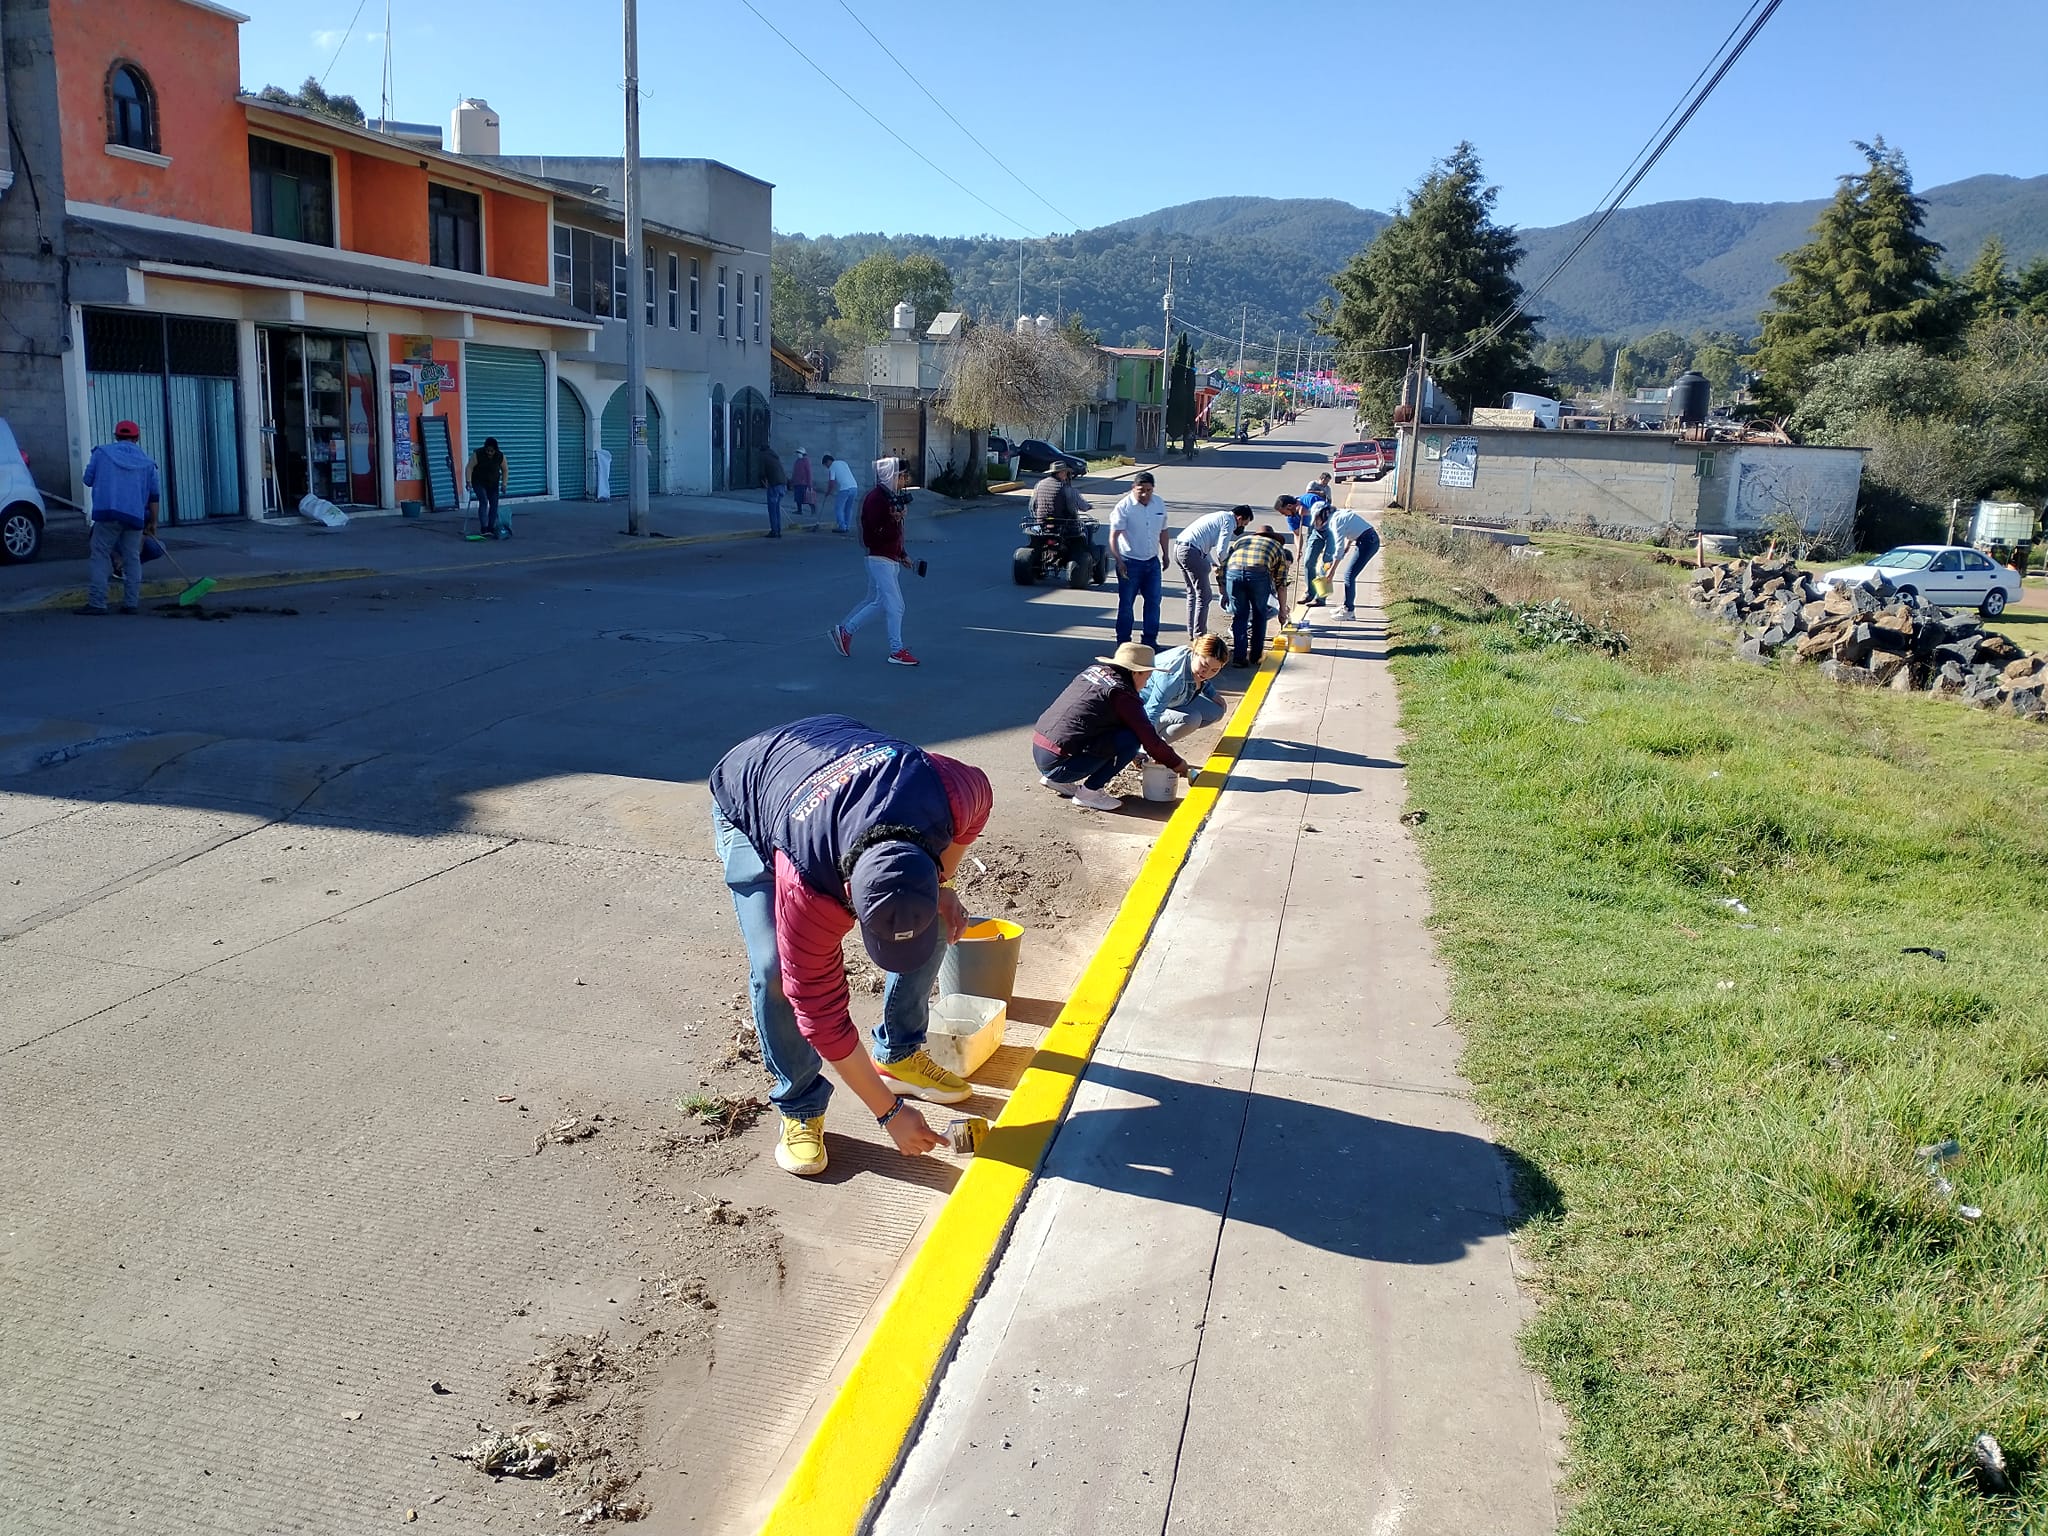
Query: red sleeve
point(881, 530)
point(968, 794)
point(1131, 710)
point(808, 931)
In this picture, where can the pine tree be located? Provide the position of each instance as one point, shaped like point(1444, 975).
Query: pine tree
point(1180, 393)
point(1868, 277)
point(1988, 291)
point(1441, 268)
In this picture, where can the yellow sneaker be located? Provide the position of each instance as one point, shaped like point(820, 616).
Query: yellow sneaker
point(802, 1148)
point(919, 1077)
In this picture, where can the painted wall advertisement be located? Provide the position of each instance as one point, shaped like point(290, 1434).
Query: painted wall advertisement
point(1459, 467)
point(423, 383)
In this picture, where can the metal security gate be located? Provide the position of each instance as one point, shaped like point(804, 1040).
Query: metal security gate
point(572, 444)
point(615, 430)
point(507, 390)
point(175, 378)
point(749, 437)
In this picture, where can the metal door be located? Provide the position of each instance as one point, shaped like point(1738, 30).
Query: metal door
point(508, 400)
point(572, 444)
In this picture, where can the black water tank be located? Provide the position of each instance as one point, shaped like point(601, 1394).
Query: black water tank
point(1690, 396)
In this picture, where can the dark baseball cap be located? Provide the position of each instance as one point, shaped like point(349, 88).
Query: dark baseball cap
point(895, 890)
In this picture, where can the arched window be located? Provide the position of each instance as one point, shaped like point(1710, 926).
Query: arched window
point(131, 109)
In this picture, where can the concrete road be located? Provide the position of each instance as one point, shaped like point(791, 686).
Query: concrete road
point(316, 918)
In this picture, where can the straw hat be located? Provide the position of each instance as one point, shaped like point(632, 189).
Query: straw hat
point(1131, 656)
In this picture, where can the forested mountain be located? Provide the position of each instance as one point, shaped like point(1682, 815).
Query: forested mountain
point(1678, 266)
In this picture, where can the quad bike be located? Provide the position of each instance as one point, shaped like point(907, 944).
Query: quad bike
point(1050, 550)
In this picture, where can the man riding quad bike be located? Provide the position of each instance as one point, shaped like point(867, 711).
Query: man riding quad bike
point(1058, 538)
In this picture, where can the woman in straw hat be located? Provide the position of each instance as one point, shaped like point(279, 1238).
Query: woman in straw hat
point(1097, 725)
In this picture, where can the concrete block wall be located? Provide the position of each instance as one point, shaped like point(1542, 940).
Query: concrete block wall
point(846, 429)
point(35, 321)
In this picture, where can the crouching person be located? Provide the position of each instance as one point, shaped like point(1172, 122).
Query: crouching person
point(1181, 695)
point(1096, 727)
point(822, 825)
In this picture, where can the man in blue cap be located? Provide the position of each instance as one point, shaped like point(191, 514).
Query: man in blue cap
point(820, 825)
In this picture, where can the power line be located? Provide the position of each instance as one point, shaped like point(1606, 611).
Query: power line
point(1643, 169)
point(1069, 218)
point(842, 90)
point(346, 33)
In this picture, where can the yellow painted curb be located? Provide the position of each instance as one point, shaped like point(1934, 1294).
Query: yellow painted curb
point(867, 1430)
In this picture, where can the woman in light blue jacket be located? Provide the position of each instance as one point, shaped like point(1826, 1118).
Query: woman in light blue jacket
point(1180, 697)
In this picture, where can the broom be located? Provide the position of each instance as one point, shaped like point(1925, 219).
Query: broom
point(194, 590)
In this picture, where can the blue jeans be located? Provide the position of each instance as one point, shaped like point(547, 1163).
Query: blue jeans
point(1249, 593)
point(108, 536)
point(1136, 579)
point(842, 509)
point(1191, 715)
point(1356, 559)
point(1094, 765)
point(775, 511)
point(885, 597)
point(801, 1090)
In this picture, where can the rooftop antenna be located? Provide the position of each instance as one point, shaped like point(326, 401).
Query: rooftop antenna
point(385, 110)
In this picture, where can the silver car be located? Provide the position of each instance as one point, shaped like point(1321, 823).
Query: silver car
point(22, 512)
point(1952, 575)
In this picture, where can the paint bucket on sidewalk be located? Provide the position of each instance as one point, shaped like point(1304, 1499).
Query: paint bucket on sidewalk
point(984, 961)
point(1159, 782)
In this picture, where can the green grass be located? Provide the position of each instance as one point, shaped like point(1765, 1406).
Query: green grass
point(1758, 1311)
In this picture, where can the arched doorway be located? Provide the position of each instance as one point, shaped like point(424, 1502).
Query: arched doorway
point(717, 437)
point(749, 437)
point(616, 438)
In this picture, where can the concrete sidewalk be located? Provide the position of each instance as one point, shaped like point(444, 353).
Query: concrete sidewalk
point(241, 555)
point(1266, 1278)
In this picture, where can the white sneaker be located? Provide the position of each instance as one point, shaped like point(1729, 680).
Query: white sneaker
point(1346, 613)
point(1095, 799)
point(1066, 791)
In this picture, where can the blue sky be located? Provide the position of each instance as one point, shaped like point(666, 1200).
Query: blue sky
point(1314, 98)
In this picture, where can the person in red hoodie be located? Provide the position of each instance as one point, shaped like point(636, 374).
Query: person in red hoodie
point(820, 825)
point(881, 535)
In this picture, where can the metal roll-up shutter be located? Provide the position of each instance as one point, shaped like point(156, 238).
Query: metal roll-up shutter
point(572, 444)
point(508, 398)
point(616, 428)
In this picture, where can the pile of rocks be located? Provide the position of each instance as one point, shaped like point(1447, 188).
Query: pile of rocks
point(1871, 634)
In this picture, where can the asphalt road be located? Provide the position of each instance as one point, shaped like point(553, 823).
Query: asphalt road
point(313, 918)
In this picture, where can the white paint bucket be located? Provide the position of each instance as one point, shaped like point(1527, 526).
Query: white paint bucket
point(1159, 782)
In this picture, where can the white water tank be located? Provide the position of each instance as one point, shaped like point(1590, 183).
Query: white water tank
point(903, 320)
point(473, 128)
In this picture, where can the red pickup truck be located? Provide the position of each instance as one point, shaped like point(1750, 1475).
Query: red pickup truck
point(1359, 461)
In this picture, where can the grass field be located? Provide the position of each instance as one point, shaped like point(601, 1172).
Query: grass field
point(1675, 894)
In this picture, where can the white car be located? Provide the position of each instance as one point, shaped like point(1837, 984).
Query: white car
point(22, 512)
point(1952, 575)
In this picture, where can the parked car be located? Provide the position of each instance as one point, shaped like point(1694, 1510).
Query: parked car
point(1389, 448)
point(1359, 461)
point(22, 512)
point(1036, 458)
point(1952, 575)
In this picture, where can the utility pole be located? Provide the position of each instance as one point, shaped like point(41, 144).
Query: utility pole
point(1167, 343)
point(1243, 319)
point(1273, 409)
point(1415, 421)
point(1020, 277)
point(636, 310)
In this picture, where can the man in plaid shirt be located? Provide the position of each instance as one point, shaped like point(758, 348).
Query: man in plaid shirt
point(1255, 570)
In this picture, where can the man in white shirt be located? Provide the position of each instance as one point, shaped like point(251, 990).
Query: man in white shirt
point(1199, 552)
point(1137, 542)
point(1357, 541)
point(844, 489)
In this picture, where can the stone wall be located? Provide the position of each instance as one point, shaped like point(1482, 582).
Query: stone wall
point(35, 328)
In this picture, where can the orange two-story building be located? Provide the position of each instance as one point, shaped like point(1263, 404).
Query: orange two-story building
point(279, 299)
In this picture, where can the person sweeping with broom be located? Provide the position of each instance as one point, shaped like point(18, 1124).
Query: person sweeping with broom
point(125, 487)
